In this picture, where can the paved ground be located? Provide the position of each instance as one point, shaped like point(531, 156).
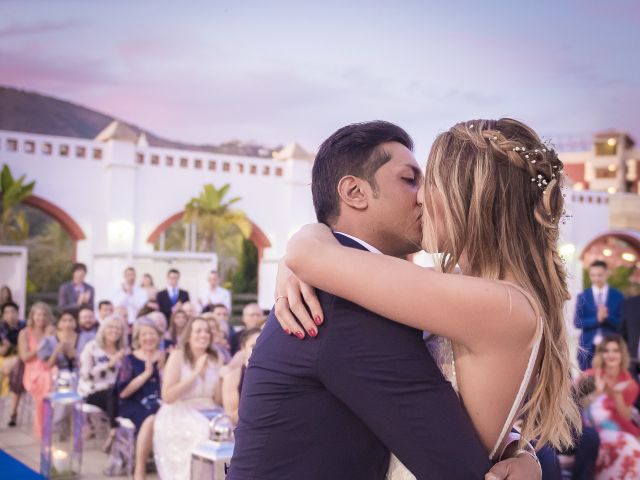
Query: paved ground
point(20, 443)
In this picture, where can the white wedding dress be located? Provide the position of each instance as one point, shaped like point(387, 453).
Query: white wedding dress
point(442, 352)
point(179, 426)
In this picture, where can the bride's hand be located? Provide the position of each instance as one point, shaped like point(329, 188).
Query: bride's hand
point(294, 300)
point(307, 241)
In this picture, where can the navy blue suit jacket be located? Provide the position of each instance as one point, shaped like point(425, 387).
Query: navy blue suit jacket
point(586, 316)
point(332, 407)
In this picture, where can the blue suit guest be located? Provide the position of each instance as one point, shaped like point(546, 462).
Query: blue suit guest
point(171, 298)
point(598, 312)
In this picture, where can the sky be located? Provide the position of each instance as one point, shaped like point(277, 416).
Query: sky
point(282, 71)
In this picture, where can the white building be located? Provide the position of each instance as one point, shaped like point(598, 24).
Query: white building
point(115, 196)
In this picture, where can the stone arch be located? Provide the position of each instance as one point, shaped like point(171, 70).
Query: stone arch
point(620, 244)
point(258, 237)
point(632, 237)
point(67, 222)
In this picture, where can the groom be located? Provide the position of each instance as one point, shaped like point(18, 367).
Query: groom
point(333, 407)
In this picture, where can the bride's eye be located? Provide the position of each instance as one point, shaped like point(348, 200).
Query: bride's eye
point(409, 180)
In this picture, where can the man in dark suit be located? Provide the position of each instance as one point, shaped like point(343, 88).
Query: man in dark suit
point(597, 312)
point(77, 293)
point(172, 297)
point(334, 407)
point(630, 330)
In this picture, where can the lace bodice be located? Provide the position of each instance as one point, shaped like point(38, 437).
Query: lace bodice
point(202, 389)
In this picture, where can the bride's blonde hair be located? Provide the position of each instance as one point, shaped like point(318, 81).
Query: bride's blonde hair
point(501, 205)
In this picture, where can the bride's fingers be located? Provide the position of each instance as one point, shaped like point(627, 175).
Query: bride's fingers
point(297, 306)
point(284, 316)
point(312, 302)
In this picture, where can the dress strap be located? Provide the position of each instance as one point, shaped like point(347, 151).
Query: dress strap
point(524, 385)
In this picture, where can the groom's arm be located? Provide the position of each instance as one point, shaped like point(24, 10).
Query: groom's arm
point(382, 371)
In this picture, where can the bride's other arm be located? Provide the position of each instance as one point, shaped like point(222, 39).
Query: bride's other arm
point(444, 304)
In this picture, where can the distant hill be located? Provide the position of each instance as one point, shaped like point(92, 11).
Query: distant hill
point(23, 111)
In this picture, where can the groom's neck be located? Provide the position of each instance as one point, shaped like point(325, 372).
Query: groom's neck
point(358, 230)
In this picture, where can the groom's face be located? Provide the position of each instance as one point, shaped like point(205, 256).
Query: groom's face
point(395, 212)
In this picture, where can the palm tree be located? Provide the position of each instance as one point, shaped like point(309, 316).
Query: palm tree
point(220, 228)
point(13, 224)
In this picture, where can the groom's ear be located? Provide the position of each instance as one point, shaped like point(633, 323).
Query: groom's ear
point(354, 191)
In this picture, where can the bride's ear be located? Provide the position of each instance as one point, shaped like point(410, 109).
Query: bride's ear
point(354, 192)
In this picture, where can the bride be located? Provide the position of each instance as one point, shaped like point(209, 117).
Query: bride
point(492, 203)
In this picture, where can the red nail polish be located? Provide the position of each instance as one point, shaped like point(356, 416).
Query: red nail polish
point(313, 332)
point(300, 335)
point(287, 331)
point(317, 320)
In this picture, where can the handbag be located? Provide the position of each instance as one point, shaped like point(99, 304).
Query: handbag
point(16, 385)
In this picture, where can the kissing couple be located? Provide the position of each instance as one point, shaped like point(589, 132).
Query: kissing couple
point(345, 383)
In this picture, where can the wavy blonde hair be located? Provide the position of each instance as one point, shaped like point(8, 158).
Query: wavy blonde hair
point(495, 212)
point(40, 306)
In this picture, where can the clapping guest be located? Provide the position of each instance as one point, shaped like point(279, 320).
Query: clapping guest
point(610, 408)
point(178, 322)
point(60, 350)
point(37, 372)
point(77, 292)
point(191, 383)
point(172, 297)
point(129, 295)
point(213, 293)
point(221, 313)
point(105, 309)
point(630, 330)
point(232, 381)
point(9, 330)
point(597, 312)
point(88, 327)
point(99, 363)
point(138, 388)
point(219, 340)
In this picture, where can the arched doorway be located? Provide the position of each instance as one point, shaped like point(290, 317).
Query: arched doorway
point(52, 242)
point(620, 249)
point(173, 235)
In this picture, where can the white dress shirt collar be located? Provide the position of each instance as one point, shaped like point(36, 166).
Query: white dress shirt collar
point(371, 248)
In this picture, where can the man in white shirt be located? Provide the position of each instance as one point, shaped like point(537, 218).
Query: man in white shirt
point(129, 295)
point(213, 293)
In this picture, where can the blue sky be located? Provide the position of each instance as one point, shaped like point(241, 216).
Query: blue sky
point(278, 71)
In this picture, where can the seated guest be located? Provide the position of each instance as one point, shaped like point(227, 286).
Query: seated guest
point(160, 322)
point(37, 372)
point(77, 292)
point(60, 350)
point(88, 326)
point(609, 409)
point(221, 313)
point(218, 338)
point(105, 309)
point(190, 383)
point(99, 363)
point(138, 388)
point(177, 325)
point(10, 327)
point(630, 330)
point(190, 309)
point(232, 381)
point(253, 316)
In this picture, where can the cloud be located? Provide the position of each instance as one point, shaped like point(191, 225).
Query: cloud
point(21, 30)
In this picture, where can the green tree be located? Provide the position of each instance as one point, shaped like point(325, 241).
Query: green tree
point(244, 279)
point(220, 227)
point(14, 227)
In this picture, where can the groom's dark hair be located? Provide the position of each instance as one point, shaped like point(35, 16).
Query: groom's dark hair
point(352, 150)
